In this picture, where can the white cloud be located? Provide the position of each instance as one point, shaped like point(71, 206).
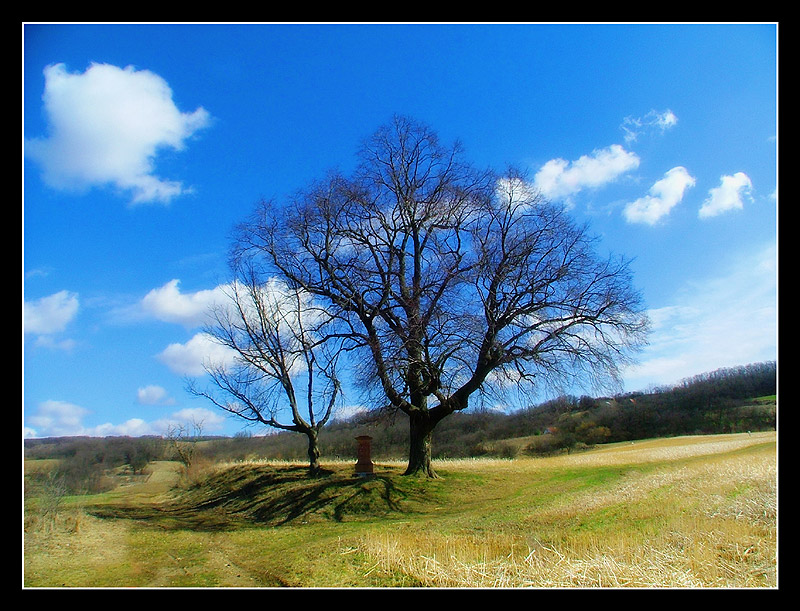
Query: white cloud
point(190, 358)
point(664, 195)
point(153, 395)
point(50, 314)
point(61, 418)
point(193, 310)
point(206, 419)
point(55, 418)
point(134, 427)
point(516, 191)
point(653, 120)
point(349, 411)
point(666, 120)
point(46, 341)
point(728, 196)
point(107, 125)
point(725, 321)
point(559, 179)
point(168, 304)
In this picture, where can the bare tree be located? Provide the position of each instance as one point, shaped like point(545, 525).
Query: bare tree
point(283, 373)
point(451, 280)
point(182, 438)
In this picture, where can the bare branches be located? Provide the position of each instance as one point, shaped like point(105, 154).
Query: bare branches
point(182, 438)
point(444, 274)
point(284, 365)
point(552, 306)
point(443, 280)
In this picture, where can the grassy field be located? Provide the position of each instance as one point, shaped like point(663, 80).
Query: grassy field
point(688, 512)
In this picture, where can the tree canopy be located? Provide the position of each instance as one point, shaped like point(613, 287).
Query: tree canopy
point(443, 280)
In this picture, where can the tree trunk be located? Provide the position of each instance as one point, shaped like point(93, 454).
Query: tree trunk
point(419, 453)
point(313, 454)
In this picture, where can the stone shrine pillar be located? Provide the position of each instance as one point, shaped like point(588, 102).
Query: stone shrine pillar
point(364, 466)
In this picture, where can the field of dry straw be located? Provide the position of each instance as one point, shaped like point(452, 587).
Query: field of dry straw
point(703, 515)
point(689, 512)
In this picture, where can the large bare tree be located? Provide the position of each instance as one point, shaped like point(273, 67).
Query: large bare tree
point(283, 371)
point(452, 280)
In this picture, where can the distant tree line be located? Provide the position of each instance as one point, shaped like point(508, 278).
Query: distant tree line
point(732, 400)
point(84, 463)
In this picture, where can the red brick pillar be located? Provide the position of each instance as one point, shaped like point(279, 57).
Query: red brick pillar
point(364, 465)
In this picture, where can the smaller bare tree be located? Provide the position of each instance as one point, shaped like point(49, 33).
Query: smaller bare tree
point(283, 373)
point(181, 438)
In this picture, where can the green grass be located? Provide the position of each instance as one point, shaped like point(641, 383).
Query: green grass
point(685, 512)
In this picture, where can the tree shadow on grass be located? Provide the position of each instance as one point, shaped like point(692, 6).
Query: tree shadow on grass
point(242, 496)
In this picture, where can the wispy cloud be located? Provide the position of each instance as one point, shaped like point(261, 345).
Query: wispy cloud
point(653, 121)
point(723, 321)
point(106, 127)
point(153, 395)
point(664, 195)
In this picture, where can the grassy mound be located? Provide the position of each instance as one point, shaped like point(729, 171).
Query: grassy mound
point(236, 496)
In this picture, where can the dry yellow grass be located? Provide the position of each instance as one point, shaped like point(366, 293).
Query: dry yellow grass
point(692, 512)
point(704, 516)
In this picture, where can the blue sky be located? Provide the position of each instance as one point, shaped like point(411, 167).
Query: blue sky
point(145, 144)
